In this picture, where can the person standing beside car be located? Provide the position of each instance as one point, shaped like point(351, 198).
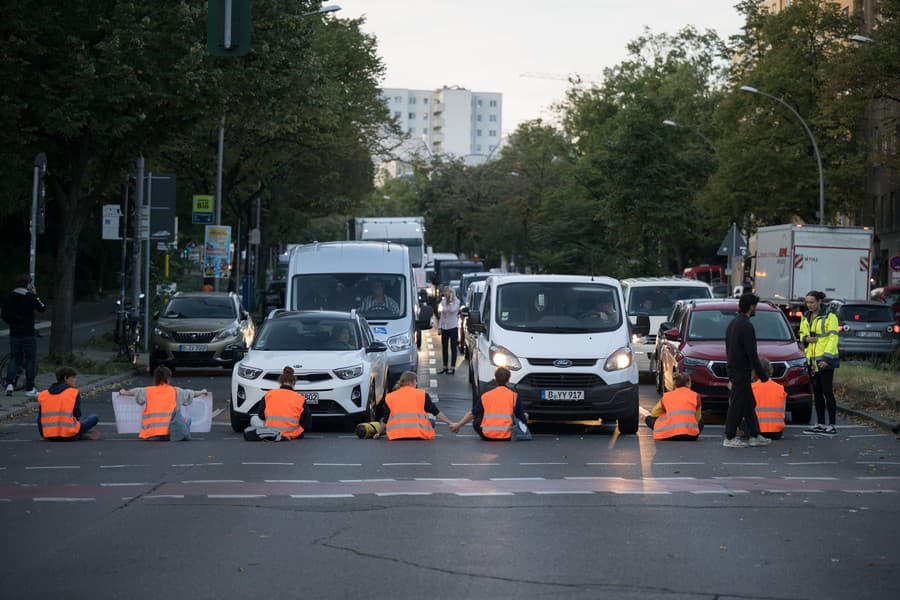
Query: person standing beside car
point(743, 360)
point(18, 312)
point(448, 324)
point(819, 336)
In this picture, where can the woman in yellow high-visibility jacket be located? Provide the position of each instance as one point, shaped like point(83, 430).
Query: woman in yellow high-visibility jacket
point(819, 336)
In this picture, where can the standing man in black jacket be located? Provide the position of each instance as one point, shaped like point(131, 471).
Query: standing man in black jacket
point(740, 346)
point(18, 313)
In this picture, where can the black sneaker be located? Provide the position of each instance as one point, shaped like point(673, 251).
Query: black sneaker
point(830, 431)
point(815, 429)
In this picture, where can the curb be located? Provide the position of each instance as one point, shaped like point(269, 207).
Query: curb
point(864, 415)
point(106, 381)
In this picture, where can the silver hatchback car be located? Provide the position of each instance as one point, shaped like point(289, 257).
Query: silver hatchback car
point(866, 327)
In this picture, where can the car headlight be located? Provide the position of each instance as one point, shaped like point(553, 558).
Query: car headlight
point(349, 372)
point(248, 372)
point(620, 359)
point(695, 362)
point(159, 332)
point(797, 362)
point(501, 357)
point(398, 342)
point(230, 332)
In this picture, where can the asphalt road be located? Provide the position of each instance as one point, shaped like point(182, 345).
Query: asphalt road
point(580, 512)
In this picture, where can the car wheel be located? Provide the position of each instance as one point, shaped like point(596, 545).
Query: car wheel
point(369, 415)
point(629, 425)
point(801, 416)
point(660, 386)
point(419, 339)
point(239, 422)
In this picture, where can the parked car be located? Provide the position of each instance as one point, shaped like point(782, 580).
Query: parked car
point(472, 302)
point(341, 369)
point(890, 296)
point(866, 327)
point(196, 328)
point(692, 341)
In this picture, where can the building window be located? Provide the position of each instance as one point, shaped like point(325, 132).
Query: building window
point(397, 114)
point(478, 132)
point(492, 118)
point(425, 130)
point(424, 116)
point(424, 100)
point(398, 99)
point(412, 99)
point(492, 133)
point(478, 118)
point(411, 130)
point(477, 147)
point(493, 104)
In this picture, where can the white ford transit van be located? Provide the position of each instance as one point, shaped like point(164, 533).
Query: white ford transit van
point(566, 342)
point(375, 279)
point(655, 297)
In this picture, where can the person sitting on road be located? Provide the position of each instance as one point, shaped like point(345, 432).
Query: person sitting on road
point(282, 413)
point(405, 412)
point(678, 414)
point(770, 403)
point(161, 418)
point(377, 301)
point(492, 415)
point(59, 411)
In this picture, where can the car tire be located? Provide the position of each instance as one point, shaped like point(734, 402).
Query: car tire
point(660, 386)
point(239, 422)
point(801, 416)
point(369, 414)
point(418, 338)
point(629, 425)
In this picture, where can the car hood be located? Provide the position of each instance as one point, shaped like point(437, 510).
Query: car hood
point(774, 351)
point(194, 324)
point(277, 360)
point(569, 345)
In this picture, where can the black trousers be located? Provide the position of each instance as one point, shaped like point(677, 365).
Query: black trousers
point(449, 337)
point(741, 405)
point(823, 390)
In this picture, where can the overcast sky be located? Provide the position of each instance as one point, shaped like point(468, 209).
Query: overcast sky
point(486, 45)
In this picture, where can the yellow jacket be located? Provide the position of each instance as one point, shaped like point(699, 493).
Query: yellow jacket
point(825, 348)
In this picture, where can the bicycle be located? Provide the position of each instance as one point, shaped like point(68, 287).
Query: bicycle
point(128, 331)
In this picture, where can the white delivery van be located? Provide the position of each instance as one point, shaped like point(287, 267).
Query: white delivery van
point(655, 297)
point(375, 279)
point(566, 342)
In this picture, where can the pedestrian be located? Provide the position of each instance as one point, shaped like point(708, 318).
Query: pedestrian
point(405, 412)
point(161, 419)
point(59, 410)
point(448, 324)
point(678, 414)
point(819, 336)
point(282, 413)
point(770, 400)
point(494, 412)
point(18, 312)
point(743, 360)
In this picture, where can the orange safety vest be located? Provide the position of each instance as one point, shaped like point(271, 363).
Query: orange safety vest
point(408, 418)
point(770, 398)
point(283, 411)
point(499, 405)
point(158, 411)
point(57, 419)
point(680, 416)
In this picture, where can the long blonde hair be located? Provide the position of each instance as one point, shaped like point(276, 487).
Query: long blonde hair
point(406, 378)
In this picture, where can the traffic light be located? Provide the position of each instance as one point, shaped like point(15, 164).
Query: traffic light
point(228, 37)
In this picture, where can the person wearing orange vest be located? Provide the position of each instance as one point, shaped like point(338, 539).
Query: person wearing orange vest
point(405, 412)
point(770, 401)
point(59, 411)
point(492, 415)
point(678, 414)
point(161, 401)
point(282, 413)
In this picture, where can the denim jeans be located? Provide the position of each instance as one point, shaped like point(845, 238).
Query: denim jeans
point(22, 348)
point(87, 423)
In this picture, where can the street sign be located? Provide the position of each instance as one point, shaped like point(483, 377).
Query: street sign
point(161, 194)
point(202, 212)
point(254, 236)
point(733, 244)
point(217, 252)
point(143, 228)
point(111, 214)
point(895, 262)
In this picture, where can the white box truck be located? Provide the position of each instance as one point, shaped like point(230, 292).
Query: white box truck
point(791, 260)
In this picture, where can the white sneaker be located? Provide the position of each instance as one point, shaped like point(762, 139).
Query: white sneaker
point(31, 393)
point(759, 441)
point(734, 442)
point(9, 389)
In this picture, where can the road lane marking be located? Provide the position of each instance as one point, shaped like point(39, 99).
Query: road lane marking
point(217, 412)
point(748, 464)
point(738, 477)
point(315, 496)
point(51, 468)
point(235, 496)
point(654, 492)
point(121, 484)
point(432, 383)
point(877, 462)
point(870, 435)
point(780, 491)
point(517, 479)
point(729, 492)
point(406, 464)
point(337, 464)
point(667, 478)
point(290, 480)
point(811, 478)
point(212, 464)
point(678, 463)
point(57, 499)
point(213, 481)
point(491, 464)
point(870, 491)
point(386, 494)
point(363, 480)
point(284, 464)
point(472, 494)
point(432, 361)
point(814, 462)
point(880, 477)
point(441, 479)
point(612, 464)
point(120, 466)
point(432, 371)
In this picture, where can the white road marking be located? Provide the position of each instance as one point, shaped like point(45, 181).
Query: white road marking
point(471, 494)
point(213, 481)
point(440, 479)
point(870, 491)
point(666, 478)
point(474, 464)
point(432, 371)
point(363, 480)
point(385, 494)
point(729, 492)
point(120, 466)
point(678, 463)
point(612, 464)
point(283, 464)
point(632, 492)
point(235, 496)
point(53, 499)
point(814, 462)
point(121, 484)
point(337, 464)
point(406, 464)
point(432, 361)
point(314, 496)
point(811, 478)
point(588, 478)
point(216, 464)
point(433, 383)
point(880, 477)
point(217, 412)
point(51, 468)
point(871, 435)
point(290, 480)
point(738, 477)
point(749, 464)
point(5, 500)
point(777, 491)
point(877, 462)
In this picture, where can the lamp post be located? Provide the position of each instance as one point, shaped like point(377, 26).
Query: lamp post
point(671, 123)
point(753, 90)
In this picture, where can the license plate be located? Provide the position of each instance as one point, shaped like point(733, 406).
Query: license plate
point(562, 394)
point(868, 334)
point(193, 348)
point(311, 397)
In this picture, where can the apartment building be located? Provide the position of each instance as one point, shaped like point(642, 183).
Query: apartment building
point(449, 121)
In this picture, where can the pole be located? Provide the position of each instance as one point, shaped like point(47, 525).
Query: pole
point(147, 264)
point(218, 198)
point(257, 283)
point(37, 191)
point(139, 213)
point(124, 241)
point(227, 25)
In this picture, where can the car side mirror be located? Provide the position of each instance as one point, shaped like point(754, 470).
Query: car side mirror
point(666, 325)
point(237, 350)
point(671, 334)
point(642, 325)
point(376, 347)
point(473, 322)
point(425, 315)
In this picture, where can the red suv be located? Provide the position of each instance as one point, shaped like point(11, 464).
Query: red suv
point(692, 341)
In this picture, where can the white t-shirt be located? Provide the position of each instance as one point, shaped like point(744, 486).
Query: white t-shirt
point(449, 314)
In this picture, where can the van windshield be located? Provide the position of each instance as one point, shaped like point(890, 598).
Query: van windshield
point(376, 296)
point(658, 301)
point(562, 307)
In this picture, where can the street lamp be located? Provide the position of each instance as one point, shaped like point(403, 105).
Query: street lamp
point(863, 39)
point(671, 123)
point(753, 90)
point(322, 11)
